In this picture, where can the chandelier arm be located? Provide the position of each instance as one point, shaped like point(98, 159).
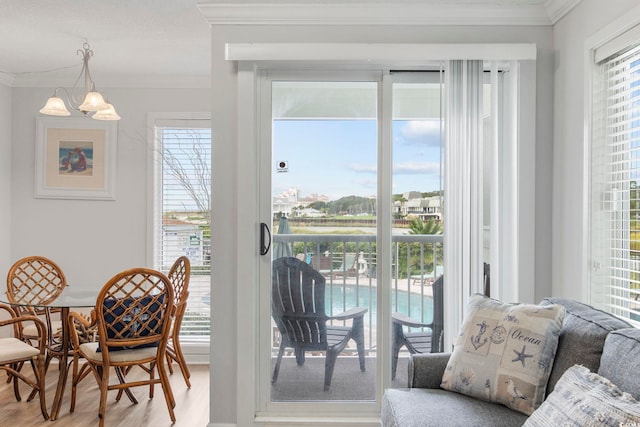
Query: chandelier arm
point(72, 97)
point(89, 102)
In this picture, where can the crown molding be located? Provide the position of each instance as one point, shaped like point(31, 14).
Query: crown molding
point(556, 9)
point(374, 13)
point(7, 79)
point(123, 81)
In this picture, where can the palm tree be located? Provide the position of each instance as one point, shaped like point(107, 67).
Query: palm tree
point(418, 259)
point(418, 226)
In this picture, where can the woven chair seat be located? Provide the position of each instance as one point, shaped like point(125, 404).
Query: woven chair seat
point(30, 330)
point(13, 349)
point(90, 351)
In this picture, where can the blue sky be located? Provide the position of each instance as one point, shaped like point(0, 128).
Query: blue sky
point(338, 157)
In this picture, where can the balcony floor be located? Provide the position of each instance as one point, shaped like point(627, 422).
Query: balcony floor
point(305, 383)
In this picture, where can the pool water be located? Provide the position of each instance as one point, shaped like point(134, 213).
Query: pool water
point(344, 298)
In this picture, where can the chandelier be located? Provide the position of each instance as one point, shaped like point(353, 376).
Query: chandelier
point(91, 101)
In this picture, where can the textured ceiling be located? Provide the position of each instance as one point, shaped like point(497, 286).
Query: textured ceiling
point(131, 39)
point(128, 37)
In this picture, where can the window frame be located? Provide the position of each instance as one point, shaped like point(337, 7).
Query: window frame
point(196, 349)
point(611, 40)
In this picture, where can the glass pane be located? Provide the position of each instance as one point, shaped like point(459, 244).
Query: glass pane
point(324, 220)
point(186, 222)
point(417, 256)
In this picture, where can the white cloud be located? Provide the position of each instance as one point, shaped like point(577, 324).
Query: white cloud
point(363, 168)
point(415, 168)
point(422, 131)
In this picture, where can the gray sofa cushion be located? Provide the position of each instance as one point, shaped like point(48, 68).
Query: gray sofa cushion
point(581, 338)
point(418, 407)
point(426, 369)
point(620, 362)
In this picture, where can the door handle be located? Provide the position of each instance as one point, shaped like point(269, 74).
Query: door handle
point(264, 245)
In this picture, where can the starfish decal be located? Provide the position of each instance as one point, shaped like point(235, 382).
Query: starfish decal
point(521, 355)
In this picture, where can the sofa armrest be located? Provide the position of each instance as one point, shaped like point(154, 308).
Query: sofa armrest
point(426, 370)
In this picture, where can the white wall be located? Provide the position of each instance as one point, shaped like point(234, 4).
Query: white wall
point(5, 182)
point(90, 240)
point(235, 256)
point(569, 220)
point(5, 178)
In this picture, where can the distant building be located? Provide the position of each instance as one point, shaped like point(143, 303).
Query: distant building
point(412, 195)
point(182, 238)
point(287, 200)
point(425, 208)
point(310, 213)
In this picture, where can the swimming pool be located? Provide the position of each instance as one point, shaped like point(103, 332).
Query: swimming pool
point(341, 298)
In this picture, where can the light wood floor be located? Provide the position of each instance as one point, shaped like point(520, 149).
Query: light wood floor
point(192, 405)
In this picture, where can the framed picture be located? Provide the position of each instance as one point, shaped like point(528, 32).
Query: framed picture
point(75, 158)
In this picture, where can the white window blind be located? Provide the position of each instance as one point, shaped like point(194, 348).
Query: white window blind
point(615, 175)
point(182, 216)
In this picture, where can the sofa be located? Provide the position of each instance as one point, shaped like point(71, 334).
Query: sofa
point(596, 340)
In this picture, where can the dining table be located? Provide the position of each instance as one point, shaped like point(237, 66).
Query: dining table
point(60, 346)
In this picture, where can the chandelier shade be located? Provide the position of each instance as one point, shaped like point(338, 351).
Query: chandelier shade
point(89, 101)
point(93, 102)
point(108, 114)
point(55, 107)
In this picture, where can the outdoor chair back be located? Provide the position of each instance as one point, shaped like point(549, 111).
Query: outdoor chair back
point(298, 309)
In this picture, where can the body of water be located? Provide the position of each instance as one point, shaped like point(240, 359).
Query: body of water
point(340, 298)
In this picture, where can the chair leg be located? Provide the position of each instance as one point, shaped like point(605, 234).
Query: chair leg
point(276, 369)
point(299, 356)
point(152, 376)
point(358, 337)
point(169, 362)
point(39, 372)
point(397, 337)
point(329, 364)
point(78, 375)
point(168, 393)
point(104, 387)
point(181, 361)
point(74, 381)
point(120, 373)
point(16, 386)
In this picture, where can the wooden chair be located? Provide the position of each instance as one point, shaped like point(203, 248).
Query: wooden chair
point(15, 352)
point(427, 341)
point(179, 275)
point(36, 280)
point(297, 307)
point(133, 315)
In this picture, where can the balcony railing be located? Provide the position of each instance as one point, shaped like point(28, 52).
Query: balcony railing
point(349, 264)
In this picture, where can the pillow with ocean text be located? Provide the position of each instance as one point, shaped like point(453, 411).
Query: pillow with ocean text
point(504, 352)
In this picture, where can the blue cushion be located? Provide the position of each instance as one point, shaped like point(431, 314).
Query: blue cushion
point(124, 329)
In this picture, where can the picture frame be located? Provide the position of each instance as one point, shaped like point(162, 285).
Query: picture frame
point(75, 158)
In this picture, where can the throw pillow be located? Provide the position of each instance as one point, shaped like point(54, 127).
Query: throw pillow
point(504, 352)
point(585, 399)
point(132, 317)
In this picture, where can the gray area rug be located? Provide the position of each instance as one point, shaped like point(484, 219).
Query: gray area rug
point(306, 382)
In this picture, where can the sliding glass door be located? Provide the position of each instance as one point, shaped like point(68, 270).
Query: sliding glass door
point(418, 226)
point(358, 203)
point(324, 219)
